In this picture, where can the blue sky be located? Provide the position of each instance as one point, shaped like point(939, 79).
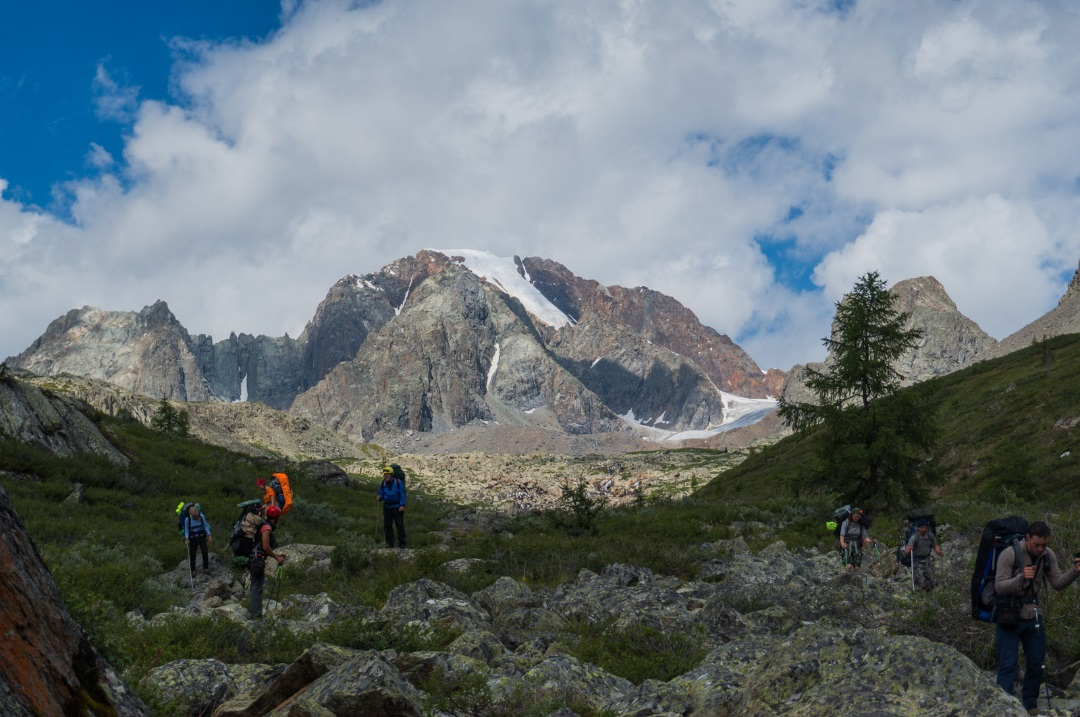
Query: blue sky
point(751, 158)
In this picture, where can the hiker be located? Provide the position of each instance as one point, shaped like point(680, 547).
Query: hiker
point(392, 496)
point(263, 549)
point(1020, 572)
point(197, 535)
point(853, 536)
point(277, 492)
point(919, 546)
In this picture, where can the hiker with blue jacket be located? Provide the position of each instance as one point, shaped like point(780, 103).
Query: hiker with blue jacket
point(921, 543)
point(197, 535)
point(1019, 574)
point(392, 496)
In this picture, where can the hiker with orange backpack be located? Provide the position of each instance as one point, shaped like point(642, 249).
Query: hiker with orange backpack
point(262, 549)
point(277, 492)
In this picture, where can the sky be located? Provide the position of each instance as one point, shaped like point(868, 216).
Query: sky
point(751, 158)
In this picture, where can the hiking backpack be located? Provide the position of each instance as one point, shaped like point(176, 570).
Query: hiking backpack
point(998, 535)
point(283, 492)
point(908, 527)
point(182, 513)
point(246, 529)
point(839, 516)
point(399, 474)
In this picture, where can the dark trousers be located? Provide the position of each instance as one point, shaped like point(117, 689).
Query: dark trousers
point(258, 581)
point(193, 543)
point(393, 518)
point(1008, 654)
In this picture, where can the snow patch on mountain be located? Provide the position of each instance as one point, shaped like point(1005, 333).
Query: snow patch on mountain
point(738, 412)
point(502, 273)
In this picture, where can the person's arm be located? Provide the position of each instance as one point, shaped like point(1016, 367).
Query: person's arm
point(401, 505)
point(937, 547)
point(268, 550)
point(843, 532)
point(1005, 583)
point(187, 523)
point(209, 538)
point(910, 545)
point(1059, 580)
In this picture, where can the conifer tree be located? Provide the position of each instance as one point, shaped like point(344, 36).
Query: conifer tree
point(871, 439)
point(169, 420)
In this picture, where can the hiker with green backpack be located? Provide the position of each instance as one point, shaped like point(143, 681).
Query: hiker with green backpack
point(197, 535)
point(854, 536)
point(1018, 574)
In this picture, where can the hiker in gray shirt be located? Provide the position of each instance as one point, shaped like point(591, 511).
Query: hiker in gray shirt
point(1017, 579)
point(853, 536)
point(919, 547)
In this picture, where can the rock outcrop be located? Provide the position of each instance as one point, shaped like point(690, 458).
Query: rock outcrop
point(1062, 319)
point(950, 340)
point(47, 665)
point(54, 422)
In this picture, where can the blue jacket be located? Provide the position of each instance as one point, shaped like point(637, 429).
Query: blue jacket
point(196, 528)
point(393, 496)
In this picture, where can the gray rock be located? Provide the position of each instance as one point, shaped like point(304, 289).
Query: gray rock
point(429, 601)
point(364, 686)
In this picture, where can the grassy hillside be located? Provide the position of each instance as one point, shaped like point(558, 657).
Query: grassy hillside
point(1009, 431)
point(1008, 428)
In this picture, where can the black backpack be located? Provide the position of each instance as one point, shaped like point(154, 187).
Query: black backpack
point(998, 535)
point(908, 527)
point(839, 516)
point(240, 543)
point(398, 472)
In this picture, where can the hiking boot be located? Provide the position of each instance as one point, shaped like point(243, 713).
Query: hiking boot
point(1034, 712)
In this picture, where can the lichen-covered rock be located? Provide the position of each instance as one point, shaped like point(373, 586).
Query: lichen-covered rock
point(432, 602)
point(579, 682)
point(197, 687)
point(315, 662)
point(299, 556)
point(869, 672)
point(365, 686)
point(419, 667)
point(503, 593)
point(479, 645)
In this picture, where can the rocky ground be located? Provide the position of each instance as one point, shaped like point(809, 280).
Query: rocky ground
point(779, 634)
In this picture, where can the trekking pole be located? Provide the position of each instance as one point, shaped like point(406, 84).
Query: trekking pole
point(1042, 628)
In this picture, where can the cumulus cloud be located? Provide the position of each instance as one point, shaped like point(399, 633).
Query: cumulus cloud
point(677, 145)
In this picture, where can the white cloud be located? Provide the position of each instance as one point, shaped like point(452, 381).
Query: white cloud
point(639, 142)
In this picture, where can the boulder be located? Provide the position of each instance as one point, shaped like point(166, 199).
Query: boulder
point(47, 665)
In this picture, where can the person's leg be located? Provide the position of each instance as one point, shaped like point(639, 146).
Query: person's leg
point(399, 523)
point(191, 545)
point(1008, 647)
point(388, 526)
point(1034, 641)
point(205, 554)
point(258, 579)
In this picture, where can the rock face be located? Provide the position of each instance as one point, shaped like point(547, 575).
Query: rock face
point(56, 423)
point(47, 666)
point(950, 340)
point(1063, 319)
point(431, 343)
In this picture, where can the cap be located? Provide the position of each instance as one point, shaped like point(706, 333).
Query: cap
point(273, 512)
point(387, 470)
point(921, 522)
point(261, 482)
